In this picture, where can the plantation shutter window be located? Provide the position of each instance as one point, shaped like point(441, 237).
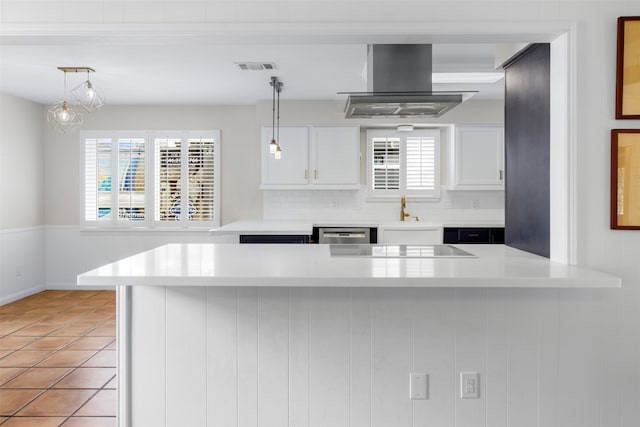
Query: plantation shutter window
point(404, 163)
point(131, 185)
point(154, 171)
point(386, 164)
point(97, 179)
point(421, 163)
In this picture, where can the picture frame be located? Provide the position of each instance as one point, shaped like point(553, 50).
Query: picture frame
point(628, 68)
point(625, 179)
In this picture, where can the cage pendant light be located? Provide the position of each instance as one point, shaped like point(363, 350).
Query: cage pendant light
point(88, 98)
point(63, 116)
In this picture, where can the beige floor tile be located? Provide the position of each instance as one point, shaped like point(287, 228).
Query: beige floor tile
point(50, 343)
point(12, 342)
point(7, 374)
point(36, 330)
point(74, 330)
point(103, 331)
point(67, 358)
point(91, 422)
point(41, 330)
point(90, 343)
point(23, 358)
point(113, 384)
point(7, 328)
point(102, 404)
point(57, 403)
point(34, 422)
point(102, 359)
point(38, 378)
point(11, 400)
point(87, 378)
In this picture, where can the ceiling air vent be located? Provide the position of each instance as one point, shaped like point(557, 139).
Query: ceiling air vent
point(256, 66)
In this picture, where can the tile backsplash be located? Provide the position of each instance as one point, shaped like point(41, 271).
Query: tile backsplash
point(355, 205)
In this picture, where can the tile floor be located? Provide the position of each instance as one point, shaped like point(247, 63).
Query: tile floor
point(57, 360)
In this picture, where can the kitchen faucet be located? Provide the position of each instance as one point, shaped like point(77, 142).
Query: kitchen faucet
point(403, 204)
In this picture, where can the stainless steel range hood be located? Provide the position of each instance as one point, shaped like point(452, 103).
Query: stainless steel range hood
point(399, 85)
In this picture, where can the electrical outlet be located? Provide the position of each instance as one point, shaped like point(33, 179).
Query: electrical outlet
point(476, 204)
point(469, 385)
point(418, 385)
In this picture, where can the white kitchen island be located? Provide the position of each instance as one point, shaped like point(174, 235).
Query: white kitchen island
point(284, 335)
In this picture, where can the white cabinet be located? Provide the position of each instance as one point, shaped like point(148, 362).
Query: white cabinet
point(476, 158)
point(335, 156)
point(292, 168)
point(313, 157)
point(427, 235)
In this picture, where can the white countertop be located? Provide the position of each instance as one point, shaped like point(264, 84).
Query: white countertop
point(495, 266)
point(287, 227)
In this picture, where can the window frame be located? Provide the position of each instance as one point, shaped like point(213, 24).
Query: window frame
point(150, 205)
point(392, 195)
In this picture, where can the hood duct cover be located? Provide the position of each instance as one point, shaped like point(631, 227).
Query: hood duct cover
point(399, 85)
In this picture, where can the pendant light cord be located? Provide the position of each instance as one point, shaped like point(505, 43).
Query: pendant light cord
point(278, 125)
point(273, 109)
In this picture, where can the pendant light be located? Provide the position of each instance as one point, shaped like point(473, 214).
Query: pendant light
point(88, 98)
point(61, 115)
point(274, 145)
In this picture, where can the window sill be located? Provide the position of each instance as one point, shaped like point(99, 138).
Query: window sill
point(409, 198)
point(147, 230)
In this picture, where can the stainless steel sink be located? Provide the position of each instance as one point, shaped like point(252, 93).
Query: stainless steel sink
point(399, 251)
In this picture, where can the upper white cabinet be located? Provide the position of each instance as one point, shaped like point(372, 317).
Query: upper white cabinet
point(292, 168)
point(476, 158)
point(313, 157)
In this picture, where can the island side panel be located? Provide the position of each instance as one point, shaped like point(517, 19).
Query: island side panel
point(329, 335)
point(434, 354)
point(147, 377)
point(186, 349)
point(222, 357)
point(278, 356)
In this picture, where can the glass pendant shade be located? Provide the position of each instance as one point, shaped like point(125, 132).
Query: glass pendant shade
point(273, 146)
point(64, 117)
point(88, 98)
point(278, 153)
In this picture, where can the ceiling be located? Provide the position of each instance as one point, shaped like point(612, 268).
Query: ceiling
point(206, 74)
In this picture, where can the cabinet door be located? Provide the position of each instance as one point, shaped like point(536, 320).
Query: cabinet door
point(423, 236)
point(293, 167)
point(335, 155)
point(478, 158)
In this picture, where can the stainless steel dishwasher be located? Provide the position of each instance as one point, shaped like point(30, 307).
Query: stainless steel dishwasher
point(345, 235)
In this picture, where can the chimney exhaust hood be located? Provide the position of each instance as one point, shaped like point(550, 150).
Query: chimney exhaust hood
point(399, 85)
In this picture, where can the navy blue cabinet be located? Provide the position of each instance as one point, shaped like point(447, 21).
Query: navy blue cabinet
point(474, 235)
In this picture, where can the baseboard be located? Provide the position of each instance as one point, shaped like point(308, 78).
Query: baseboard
point(71, 286)
point(6, 299)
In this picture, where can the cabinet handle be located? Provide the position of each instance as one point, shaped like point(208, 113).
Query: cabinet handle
point(305, 174)
point(474, 235)
point(315, 174)
point(500, 174)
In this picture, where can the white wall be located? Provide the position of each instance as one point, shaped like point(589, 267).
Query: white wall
point(70, 250)
point(21, 198)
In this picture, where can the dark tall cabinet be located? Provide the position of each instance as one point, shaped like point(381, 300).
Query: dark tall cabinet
point(527, 186)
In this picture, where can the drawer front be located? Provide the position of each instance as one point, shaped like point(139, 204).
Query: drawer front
point(467, 235)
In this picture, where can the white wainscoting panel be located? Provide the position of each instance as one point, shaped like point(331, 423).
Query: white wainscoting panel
point(335, 357)
point(22, 263)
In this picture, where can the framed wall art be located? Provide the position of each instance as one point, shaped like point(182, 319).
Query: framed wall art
point(628, 68)
point(625, 179)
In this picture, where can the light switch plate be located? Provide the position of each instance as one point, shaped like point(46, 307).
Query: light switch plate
point(469, 385)
point(418, 386)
